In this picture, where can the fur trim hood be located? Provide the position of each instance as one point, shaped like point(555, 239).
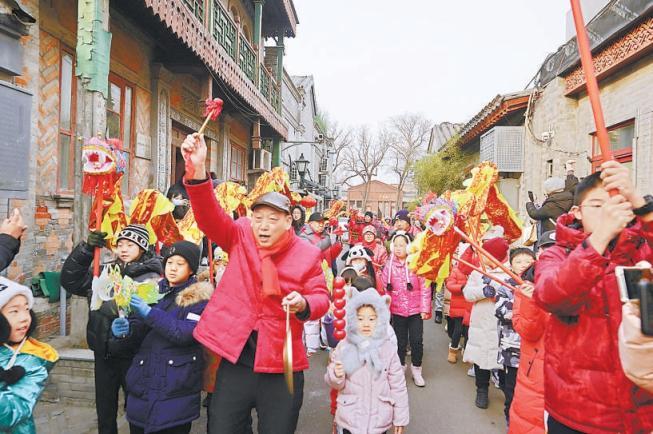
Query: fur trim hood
point(361, 349)
point(195, 293)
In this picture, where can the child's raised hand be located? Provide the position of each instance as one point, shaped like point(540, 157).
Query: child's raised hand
point(617, 177)
point(527, 289)
point(338, 369)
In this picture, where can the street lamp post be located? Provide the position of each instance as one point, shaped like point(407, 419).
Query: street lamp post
point(301, 164)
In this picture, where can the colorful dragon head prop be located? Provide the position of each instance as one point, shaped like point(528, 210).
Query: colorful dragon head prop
point(101, 161)
point(432, 247)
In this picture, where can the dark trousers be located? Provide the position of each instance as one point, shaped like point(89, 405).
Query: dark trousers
point(510, 382)
point(556, 427)
point(109, 378)
point(456, 330)
point(481, 377)
point(238, 390)
point(180, 429)
point(409, 329)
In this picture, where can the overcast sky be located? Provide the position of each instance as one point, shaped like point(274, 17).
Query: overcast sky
point(373, 59)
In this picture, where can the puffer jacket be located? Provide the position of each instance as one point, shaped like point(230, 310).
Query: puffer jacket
point(483, 344)
point(380, 254)
point(329, 249)
point(164, 381)
point(17, 401)
point(237, 307)
point(367, 403)
point(553, 207)
point(404, 302)
point(77, 278)
point(9, 247)
point(455, 284)
point(635, 349)
point(527, 409)
point(586, 388)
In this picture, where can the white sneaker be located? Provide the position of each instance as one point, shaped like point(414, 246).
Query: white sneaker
point(417, 376)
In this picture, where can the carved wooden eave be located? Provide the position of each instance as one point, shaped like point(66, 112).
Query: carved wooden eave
point(183, 24)
point(624, 51)
point(497, 109)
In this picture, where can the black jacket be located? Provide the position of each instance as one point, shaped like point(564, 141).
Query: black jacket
point(77, 278)
point(554, 206)
point(9, 247)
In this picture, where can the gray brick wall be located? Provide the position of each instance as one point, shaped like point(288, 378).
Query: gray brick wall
point(625, 96)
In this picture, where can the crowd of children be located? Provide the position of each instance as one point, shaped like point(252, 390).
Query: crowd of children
point(547, 324)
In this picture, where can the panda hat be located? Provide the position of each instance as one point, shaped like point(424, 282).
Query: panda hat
point(357, 252)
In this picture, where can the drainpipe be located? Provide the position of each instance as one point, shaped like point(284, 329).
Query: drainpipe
point(258, 22)
point(258, 44)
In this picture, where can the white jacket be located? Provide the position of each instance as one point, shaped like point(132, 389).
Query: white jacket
point(483, 345)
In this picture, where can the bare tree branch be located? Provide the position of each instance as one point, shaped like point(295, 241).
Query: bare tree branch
point(411, 133)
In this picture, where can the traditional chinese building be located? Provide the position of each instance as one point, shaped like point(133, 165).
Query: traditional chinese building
point(138, 71)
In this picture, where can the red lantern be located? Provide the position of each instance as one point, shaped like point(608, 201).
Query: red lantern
point(339, 324)
point(308, 202)
point(339, 282)
point(339, 313)
point(339, 334)
point(339, 303)
point(338, 293)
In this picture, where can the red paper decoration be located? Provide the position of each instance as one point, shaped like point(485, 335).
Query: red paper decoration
point(308, 202)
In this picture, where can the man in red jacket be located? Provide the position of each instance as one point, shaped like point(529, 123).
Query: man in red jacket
point(270, 269)
point(585, 387)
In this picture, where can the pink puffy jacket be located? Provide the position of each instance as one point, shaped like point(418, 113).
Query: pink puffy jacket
point(404, 302)
point(370, 403)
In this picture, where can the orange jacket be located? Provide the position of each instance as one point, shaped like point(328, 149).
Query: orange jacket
point(527, 409)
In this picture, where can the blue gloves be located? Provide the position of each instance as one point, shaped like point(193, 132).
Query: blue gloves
point(120, 327)
point(489, 291)
point(139, 306)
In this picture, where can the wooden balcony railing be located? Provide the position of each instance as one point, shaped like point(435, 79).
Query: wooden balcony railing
point(226, 33)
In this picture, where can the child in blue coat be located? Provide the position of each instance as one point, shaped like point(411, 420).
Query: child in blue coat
point(24, 361)
point(164, 382)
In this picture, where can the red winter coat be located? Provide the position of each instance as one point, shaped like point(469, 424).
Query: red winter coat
point(237, 307)
point(527, 409)
point(459, 307)
point(585, 386)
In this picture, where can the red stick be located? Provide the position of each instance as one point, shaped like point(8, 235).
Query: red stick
point(492, 259)
point(99, 206)
point(488, 275)
point(590, 79)
point(211, 270)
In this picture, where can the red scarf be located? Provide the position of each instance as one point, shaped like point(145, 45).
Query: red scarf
point(371, 245)
point(269, 273)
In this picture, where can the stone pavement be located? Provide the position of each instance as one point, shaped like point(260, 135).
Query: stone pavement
point(446, 404)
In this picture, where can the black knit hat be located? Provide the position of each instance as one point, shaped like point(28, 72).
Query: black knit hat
point(137, 234)
point(316, 217)
point(187, 250)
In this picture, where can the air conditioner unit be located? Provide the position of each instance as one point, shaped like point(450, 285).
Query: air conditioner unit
point(504, 146)
point(261, 159)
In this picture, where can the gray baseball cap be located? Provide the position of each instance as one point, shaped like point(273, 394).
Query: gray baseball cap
point(274, 200)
